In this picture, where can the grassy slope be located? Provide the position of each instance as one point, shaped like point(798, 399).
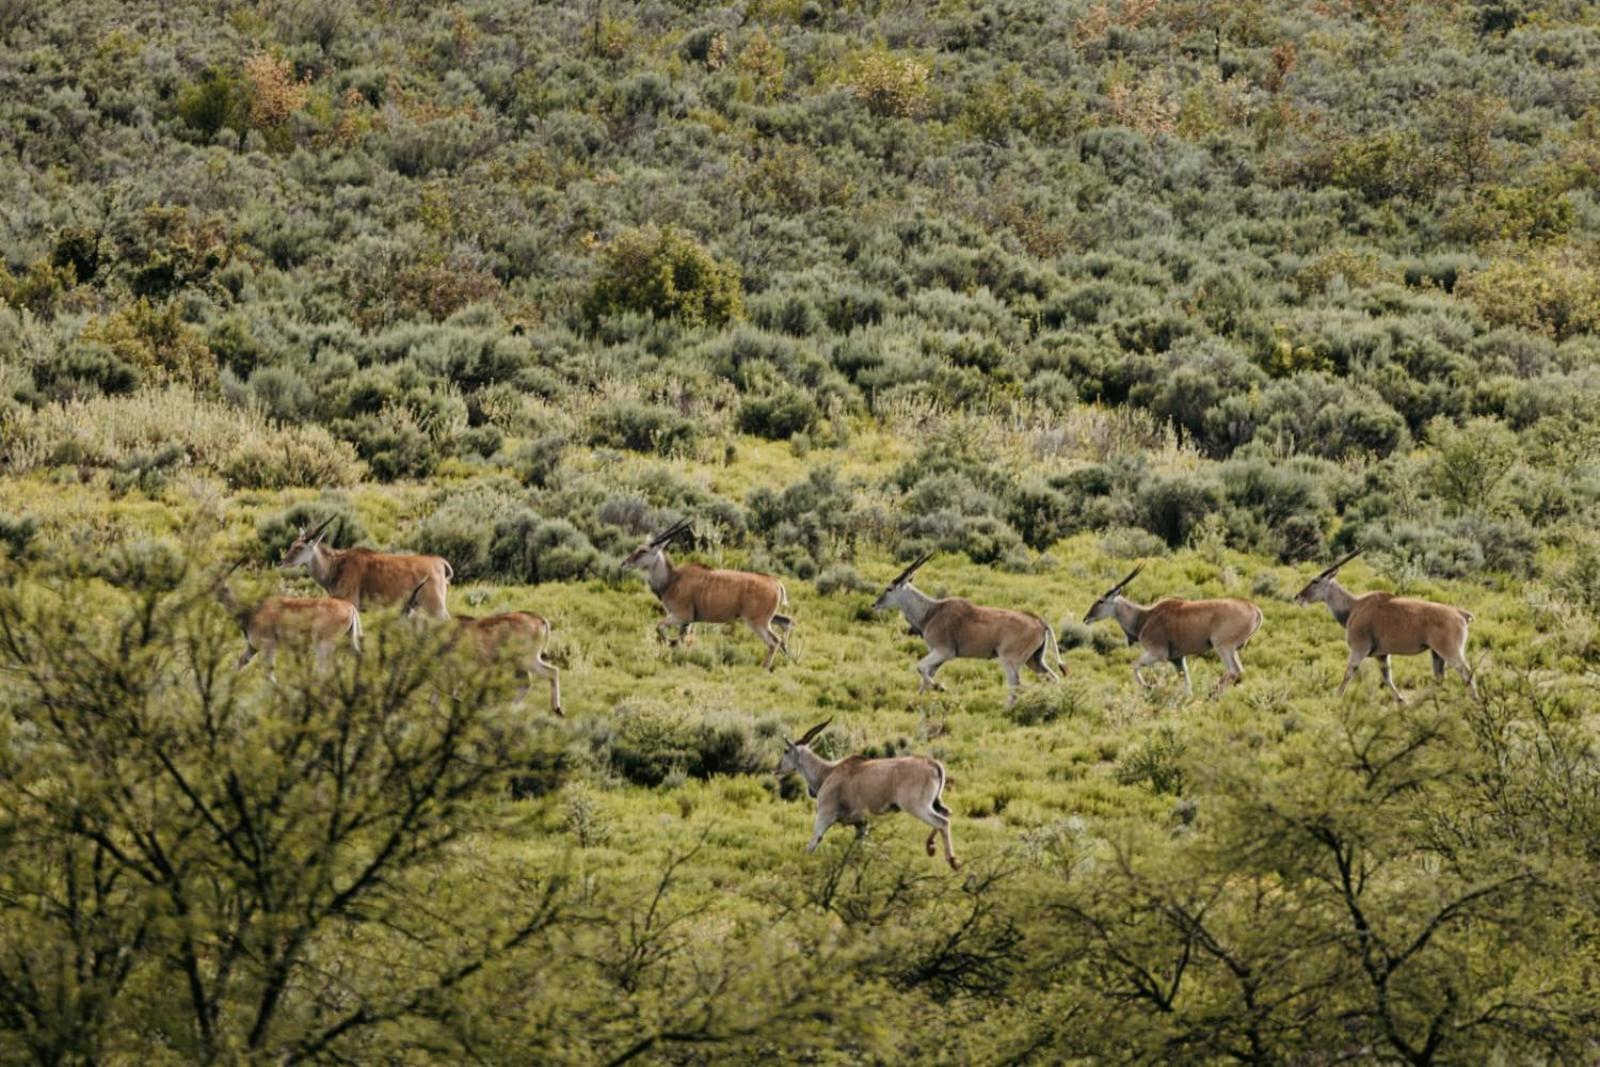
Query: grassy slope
point(1005, 779)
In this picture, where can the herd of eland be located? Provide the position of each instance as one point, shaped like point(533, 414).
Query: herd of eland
point(850, 790)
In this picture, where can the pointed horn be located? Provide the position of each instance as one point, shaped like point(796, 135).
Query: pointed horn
point(311, 535)
point(670, 532)
point(1331, 571)
point(1119, 586)
point(411, 601)
point(225, 575)
point(906, 574)
point(805, 738)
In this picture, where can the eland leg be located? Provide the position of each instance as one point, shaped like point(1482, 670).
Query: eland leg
point(549, 670)
point(1388, 678)
point(1013, 681)
point(822, 824)
point(768, 638)
point(1148, 659)
point(668, 623)
point(926, 666)
point(1459, 663)
point(1233, 669)
point(1350, 669)
point(941, 828)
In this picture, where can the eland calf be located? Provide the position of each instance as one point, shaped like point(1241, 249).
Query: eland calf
point(692, 593)
point(1171, 630)
point(1383, 625)
point(520, 634)
point(956, 628)
point(849, 790)
point(361, 575)
point(317, 620)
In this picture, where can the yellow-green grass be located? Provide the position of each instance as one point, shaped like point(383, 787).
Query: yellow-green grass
point(1007, 781)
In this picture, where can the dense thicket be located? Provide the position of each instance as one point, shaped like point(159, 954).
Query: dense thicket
point(1319, 242)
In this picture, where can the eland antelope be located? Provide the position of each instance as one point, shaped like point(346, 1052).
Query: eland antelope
point(691, 593)
point(520, 634)
point(1383, 625)
point(362, 575)
point(956, 628)
point(317, 620)
point(849, 790)
point(1171, 630)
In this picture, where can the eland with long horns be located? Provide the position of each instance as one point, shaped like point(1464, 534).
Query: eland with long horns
point(852, 789)
point(956, 628)
point(1171, 630)
point(1381, 625)
point(691, 593)
point(363, 576)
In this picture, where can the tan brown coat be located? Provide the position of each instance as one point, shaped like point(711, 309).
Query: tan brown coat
point(1172, 629)
point(1381, 625)
point(519, 636)
point(365, 577)
point(956, 628)
point(296, 620)
point(692, 593)
point(851, 790)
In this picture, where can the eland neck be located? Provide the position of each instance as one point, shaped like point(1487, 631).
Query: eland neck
point(659, 573)
point(1129, 616)
point(914, 604)
point(812, 767)
point(324, 562)
point(1340, 601)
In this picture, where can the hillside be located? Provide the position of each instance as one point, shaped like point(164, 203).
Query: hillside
point(1043, 288)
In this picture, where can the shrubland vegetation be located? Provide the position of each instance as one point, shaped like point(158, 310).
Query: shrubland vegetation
point(1044, 287)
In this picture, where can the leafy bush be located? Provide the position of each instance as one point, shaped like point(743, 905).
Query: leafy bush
point(643, 428)
point(646, 743)
point(1157, 761)
point(779, 416)
point(663, 273)
point(274, 533)
point(1554, 291)
point(1171, 508)
point(1037, 705)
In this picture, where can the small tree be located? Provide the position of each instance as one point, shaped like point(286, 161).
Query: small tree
point(666, 274)
point(1471, 462)
point(192, 858)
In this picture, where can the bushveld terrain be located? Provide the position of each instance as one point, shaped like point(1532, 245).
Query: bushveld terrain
point(1046, 288)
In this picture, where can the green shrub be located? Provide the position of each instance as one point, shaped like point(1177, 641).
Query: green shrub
point(17, 536)
point(1172, 507)
point(646, 743)
point(1554, 291)
point(1040, 704)
point(215, 101)
point(529, 548)
point(1157, 761)
point(665, 274)
point(780, 415)
point(643, 428)
point(274, 533)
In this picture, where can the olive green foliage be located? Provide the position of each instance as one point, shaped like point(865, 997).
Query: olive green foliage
point(664, 273)
point(1040, 287)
